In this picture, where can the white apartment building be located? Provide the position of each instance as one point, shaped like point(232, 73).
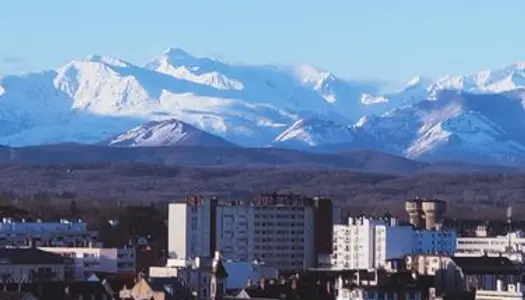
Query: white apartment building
point(367, 243)
point(492, 246)
point(49, 234)
point(87, 260)
point(285, 231)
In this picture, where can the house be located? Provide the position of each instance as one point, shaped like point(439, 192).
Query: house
point(483, 272)
point(402, 285)
point(157, 289)
point(242, 273)
point(30, 265)
point(206, 277)
point(113, 283)
point(57, 291)
point(17, 296)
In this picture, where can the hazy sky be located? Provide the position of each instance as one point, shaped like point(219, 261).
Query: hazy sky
point(390, 39)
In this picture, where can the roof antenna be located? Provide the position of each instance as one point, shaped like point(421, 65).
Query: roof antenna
point(509, 225)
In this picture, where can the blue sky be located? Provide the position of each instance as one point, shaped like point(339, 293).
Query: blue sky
point(354, 39)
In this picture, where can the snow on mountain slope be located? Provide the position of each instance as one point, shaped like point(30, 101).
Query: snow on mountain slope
point(249, 105)
point(455, 125)
point(167, 133)
point(344, 95)
point(470, 132)
point(491, 81)
point(313, 132)
point(301, 88)
point(93, 99)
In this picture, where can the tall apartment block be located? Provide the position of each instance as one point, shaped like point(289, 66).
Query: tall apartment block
point(286, 231)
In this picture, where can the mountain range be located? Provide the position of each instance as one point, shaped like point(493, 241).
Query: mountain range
point(178, 99)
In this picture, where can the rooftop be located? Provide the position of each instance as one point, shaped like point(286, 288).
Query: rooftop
point(486, 264)
point(29, 256)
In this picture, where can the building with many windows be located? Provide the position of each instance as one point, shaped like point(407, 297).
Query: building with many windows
point(512, 242)
point(366, 243)
point(49, 234)
point(286, 231)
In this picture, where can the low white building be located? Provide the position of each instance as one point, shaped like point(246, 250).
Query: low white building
point(491, 245)
point(88, 260)
point(509, 292)
point(367, 243)
point(49, 234)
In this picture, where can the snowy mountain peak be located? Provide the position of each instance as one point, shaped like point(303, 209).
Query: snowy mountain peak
point(169, 132)
point(94, 58)
point(312, 132)
point(177, 54)
point(415, 82)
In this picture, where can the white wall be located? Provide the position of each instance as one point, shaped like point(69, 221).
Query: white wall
point(87, 260)
point(178, 230)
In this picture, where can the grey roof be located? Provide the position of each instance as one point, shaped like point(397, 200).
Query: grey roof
point(16, 295)
point(29, 256)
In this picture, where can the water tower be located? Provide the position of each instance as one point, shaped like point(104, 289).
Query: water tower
point(414, 210)
point(433, 211)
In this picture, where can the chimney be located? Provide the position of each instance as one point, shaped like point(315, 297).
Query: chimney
point(197, 262)
point(499, 285)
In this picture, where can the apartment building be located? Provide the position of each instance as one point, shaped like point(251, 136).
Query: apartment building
point(434, 242)
point(86, 260)
point(491, 245)
point(286, 231)
point(366, 243)
point(49, 234)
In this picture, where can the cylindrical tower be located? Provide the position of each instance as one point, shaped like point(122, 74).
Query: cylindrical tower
point(415, 212)
point(433, 211)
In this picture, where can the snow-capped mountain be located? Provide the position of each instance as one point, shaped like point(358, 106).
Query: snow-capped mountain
point(248, 105)
point(170, 132)
point(456, 125)
point(94, 99)
point(490, 81)
point(313, 132)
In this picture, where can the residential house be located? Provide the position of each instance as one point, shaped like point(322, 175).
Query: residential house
point(206, 277)
point(17, 296)
point(156, 289)
point(484, 272)
point(30, 265)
